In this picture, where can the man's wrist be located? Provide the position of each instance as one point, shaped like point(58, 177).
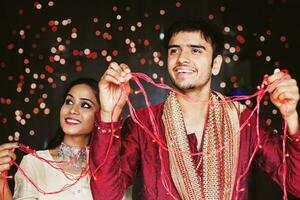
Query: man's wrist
point(110, 116)
point(293, 123)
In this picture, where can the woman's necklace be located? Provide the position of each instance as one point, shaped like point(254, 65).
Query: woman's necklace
point(74, 157)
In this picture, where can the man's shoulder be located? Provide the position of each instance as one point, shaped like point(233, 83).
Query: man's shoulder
point(144, 114)
point(152, 108)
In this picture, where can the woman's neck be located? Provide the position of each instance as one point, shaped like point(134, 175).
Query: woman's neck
point(76, 141)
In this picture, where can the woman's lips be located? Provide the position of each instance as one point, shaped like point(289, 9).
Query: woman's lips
point(71, 121)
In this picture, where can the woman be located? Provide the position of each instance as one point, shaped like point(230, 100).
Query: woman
point(77, 116)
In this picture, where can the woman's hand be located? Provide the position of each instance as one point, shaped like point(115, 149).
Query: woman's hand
point(7, 156)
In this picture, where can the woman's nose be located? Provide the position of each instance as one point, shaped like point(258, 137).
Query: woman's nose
point(74, 109)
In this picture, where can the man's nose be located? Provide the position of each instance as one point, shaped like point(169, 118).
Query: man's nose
point(184, 57)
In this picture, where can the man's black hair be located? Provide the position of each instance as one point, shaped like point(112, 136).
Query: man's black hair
point(210, 32)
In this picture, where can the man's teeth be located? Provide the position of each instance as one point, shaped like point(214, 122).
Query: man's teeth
point(73, 121)
point(184, 70)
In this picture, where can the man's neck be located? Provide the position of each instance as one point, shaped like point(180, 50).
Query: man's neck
point(195, 102)
point(195, 111)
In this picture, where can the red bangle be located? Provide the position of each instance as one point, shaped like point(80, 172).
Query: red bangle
point(108, 130)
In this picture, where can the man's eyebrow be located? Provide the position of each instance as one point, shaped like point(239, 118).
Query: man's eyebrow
point(172, 46)
point(197, 46)
point(189, 45)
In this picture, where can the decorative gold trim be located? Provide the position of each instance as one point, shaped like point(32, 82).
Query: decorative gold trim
point(216, 174)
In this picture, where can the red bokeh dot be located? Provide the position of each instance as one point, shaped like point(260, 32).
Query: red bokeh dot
point(98, 33)
point(49, 69)
point(178, 4)
point(142, 61)
point(115, 53)
point(51, 59)
point(21, 77)
point(78, 68)
point(10, 46)
point(36, 110)
point(26, 61)
point(54, 29)
point(157, 27)
point(146, 42)
point(21, 11)
point(240, 39)
point(40, 100)
point(51, 23)
point(114, 8)
point(8, 101)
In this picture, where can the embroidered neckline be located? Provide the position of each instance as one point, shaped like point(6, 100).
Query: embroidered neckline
point(74, 157)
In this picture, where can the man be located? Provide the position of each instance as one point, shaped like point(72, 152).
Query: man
point(208, 125)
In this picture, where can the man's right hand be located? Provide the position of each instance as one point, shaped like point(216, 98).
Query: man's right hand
point(114, 89)
point(7, 156)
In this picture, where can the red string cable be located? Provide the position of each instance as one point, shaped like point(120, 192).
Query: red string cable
point(284, 164)
point(3, 175)
point(259, 95)
point(154, 134)
point(53, 164)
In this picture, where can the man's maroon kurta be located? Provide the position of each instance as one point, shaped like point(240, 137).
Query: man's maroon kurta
point(137, 151)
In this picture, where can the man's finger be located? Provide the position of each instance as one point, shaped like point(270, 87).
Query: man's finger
point(277, 76)
point(115, 67)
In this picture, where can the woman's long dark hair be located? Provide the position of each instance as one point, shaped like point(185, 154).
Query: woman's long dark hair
point(58, 138)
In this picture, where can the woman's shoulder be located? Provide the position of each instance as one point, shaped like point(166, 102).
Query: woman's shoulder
point(37, 156)
point(43, 153)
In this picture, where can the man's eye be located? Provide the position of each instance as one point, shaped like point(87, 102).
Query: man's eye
point(172, 51)
point(196, 51)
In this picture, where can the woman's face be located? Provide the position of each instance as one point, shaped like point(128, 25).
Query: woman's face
point(77, 114)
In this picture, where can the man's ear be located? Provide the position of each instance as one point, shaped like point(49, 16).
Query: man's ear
point(216, 65)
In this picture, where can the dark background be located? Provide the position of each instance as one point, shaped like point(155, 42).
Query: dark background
point(263, 34)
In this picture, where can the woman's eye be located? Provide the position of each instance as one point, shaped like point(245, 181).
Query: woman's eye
point(86, 105)
point(68, 102)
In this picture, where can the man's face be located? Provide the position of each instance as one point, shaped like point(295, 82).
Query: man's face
point(190, 61)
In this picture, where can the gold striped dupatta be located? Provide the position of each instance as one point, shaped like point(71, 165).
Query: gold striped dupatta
point(216, 174)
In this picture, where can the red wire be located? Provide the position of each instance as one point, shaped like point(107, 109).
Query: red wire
point(154, 134)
